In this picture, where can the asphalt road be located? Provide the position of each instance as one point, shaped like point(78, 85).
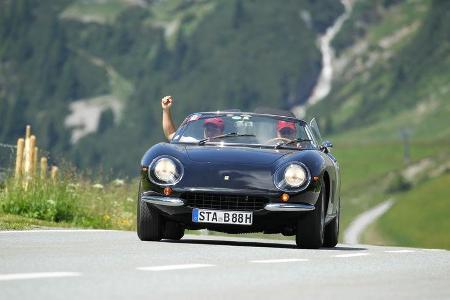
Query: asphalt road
point(116, 265)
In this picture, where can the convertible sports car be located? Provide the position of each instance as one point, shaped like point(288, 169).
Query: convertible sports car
point(239, 172)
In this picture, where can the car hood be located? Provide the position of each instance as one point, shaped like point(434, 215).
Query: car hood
point(235, 155)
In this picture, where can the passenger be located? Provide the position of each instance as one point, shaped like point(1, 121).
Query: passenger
point(286, 130)
point(212, 126)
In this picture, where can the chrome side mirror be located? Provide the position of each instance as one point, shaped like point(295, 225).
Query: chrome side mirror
point(326, 145)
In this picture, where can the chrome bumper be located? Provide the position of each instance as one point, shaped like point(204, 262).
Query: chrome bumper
point(162, 200)
point(289, 207)
point(174, 201)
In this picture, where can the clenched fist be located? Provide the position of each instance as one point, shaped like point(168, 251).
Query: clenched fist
point(166, 102)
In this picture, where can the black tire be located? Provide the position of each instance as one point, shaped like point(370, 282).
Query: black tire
point(332, 231)
point(149, 222)
point(310, 228)
point(173, 231)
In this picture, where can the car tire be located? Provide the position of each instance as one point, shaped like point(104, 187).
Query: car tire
point(173, 231)
point(332, 232)
point(310, 228)
point(149, 222)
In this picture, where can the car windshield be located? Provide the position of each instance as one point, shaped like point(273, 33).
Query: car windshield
point(243, 128)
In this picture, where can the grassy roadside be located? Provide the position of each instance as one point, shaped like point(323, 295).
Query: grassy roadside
point(369, 171)
point(69, 202)
point(372, 165)
point(419, 218)
point(16, 222)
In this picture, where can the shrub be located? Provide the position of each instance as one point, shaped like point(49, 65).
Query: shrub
point(398, 184)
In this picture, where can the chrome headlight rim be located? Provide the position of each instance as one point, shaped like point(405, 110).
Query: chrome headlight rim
point(154, 179)
point(280, 183)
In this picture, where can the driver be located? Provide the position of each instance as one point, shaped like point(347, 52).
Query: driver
point(212, 126)
point(286, 130)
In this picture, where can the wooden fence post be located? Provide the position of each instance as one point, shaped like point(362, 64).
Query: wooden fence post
point(29, 155)
point(28, 132)
point(19, 157)
point(26, 150)
point(44, 166)
point(54, 172)
point(35, 161)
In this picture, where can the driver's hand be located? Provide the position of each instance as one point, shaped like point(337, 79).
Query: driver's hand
point(166, 102)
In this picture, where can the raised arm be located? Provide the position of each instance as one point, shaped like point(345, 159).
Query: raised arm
point(167, 122)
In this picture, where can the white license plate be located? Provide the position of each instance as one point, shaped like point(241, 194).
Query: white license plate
point(221, 216)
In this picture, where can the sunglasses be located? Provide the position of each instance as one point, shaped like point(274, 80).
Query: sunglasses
point(287, 131)
point(212, 127)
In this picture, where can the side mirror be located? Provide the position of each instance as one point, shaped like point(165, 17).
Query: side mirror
point(326, 145)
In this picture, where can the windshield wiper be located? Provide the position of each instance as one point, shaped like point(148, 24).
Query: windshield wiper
point(280, 145)
point(230, 134)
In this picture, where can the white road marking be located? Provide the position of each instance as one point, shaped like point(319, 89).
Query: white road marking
point(54, 230)
point(399, 251)
point(282, 260)
point(352, 254)
point(433, 250)
point(22, 276)
point(174, 267)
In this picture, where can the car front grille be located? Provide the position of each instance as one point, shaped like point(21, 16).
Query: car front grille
point(220, 201)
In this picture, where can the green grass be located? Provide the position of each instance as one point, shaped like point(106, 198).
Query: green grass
point(72, 201)
point(16, 222)
point(420, 218)
point(365, 163)
point(370, 156)
point(398, 17)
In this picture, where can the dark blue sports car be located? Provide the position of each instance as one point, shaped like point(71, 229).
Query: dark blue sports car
point(239, 172)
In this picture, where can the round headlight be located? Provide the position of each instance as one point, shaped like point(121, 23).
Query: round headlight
point(292, 177)
point(165, 171)
point(295, 175)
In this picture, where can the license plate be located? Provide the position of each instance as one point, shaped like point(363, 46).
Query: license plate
point(221, 216)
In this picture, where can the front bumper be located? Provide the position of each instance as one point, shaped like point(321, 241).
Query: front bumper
point(152, 198)
point(273, 216)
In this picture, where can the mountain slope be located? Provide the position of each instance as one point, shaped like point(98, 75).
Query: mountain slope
point(115, 59)
point(404, 71)
point(387, 115)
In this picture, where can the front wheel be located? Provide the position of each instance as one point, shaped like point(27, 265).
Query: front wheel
point(332, 232)
point(173, 231)
point(149, 222)
point(310, 229)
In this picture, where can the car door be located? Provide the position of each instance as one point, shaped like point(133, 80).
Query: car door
point(335, 178)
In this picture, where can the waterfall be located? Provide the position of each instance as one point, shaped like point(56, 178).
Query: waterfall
point(324, 82)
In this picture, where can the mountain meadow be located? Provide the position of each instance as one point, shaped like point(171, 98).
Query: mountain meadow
point(88, 75)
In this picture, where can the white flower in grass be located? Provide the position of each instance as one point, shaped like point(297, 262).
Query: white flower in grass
point(129, 199)
point(98, 186)
point(118, 182)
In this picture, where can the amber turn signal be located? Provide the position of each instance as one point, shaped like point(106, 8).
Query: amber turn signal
point(284, 197)
point(167, 191)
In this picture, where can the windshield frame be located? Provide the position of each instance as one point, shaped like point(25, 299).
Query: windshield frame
point(203, 115)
